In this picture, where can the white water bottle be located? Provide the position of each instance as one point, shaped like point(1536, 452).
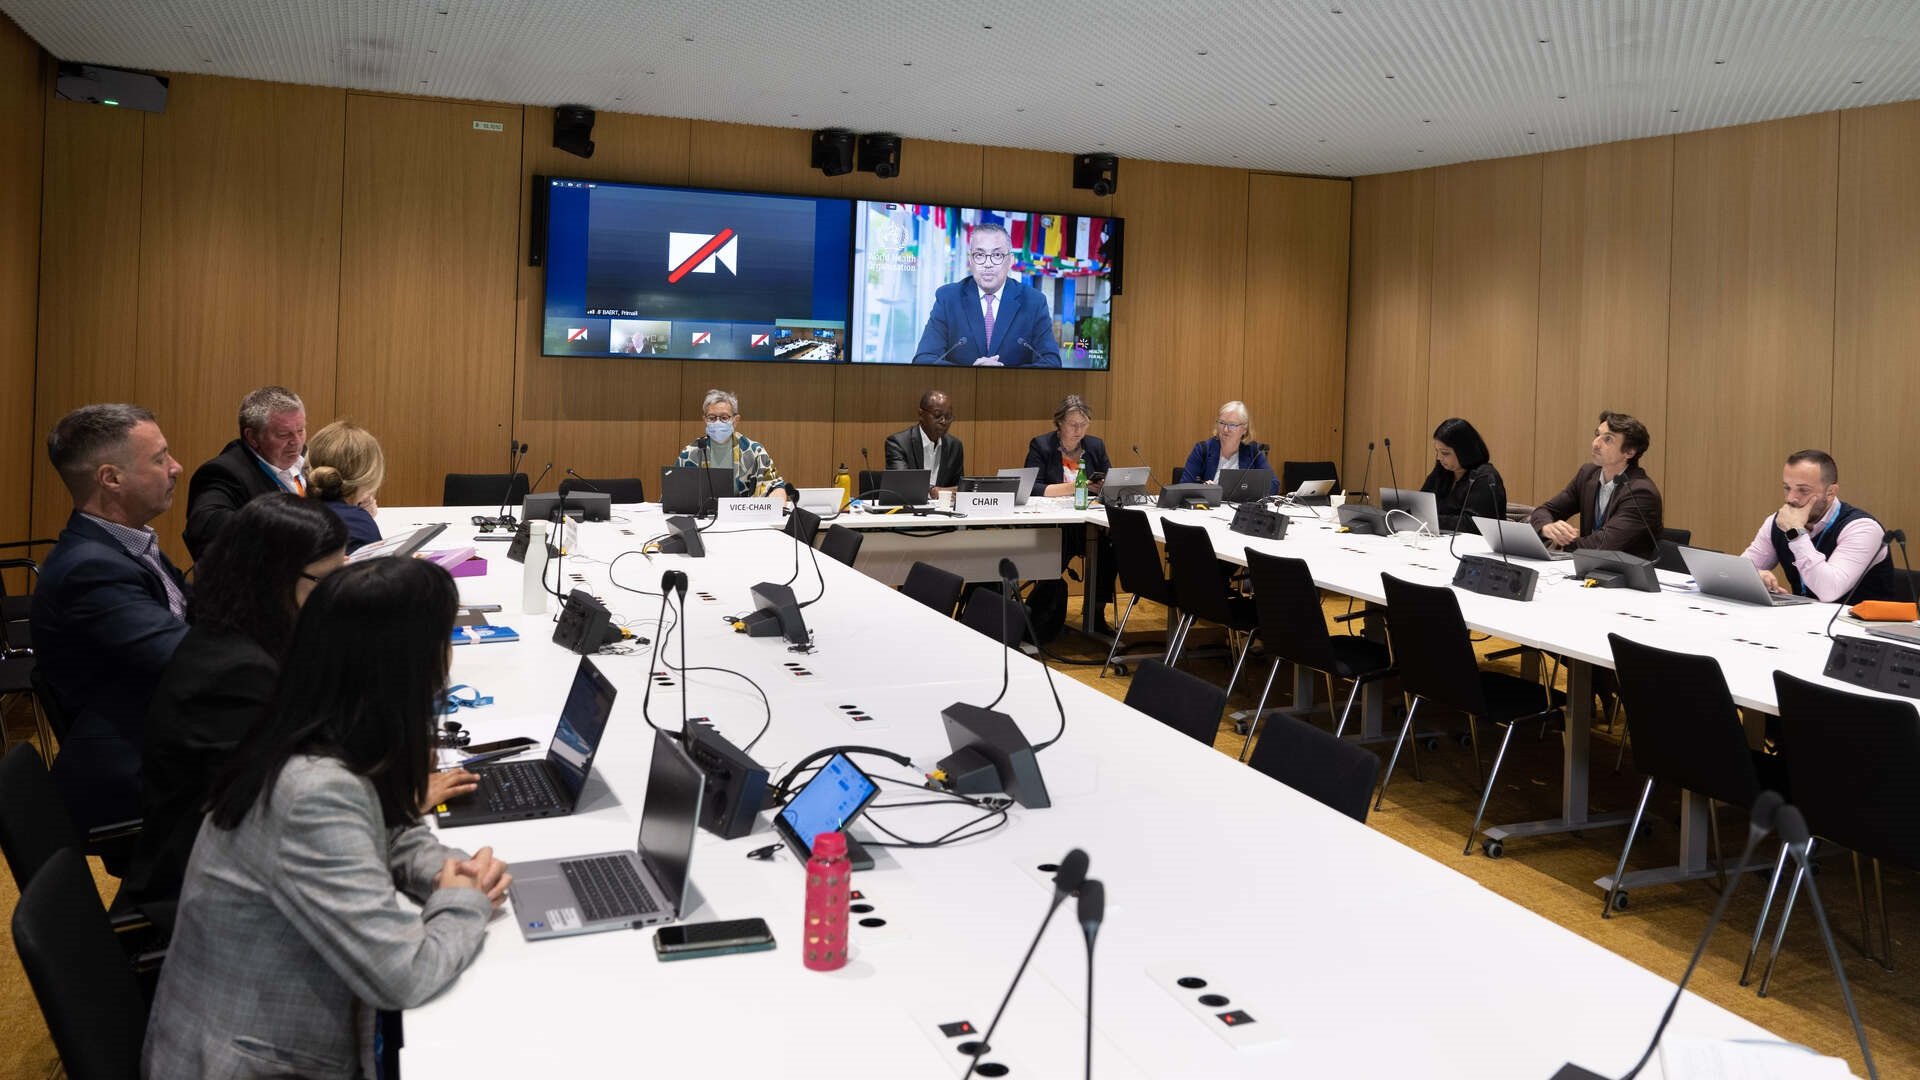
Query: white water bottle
point(533, 580)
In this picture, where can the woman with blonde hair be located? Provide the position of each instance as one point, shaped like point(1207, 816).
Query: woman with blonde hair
point(345, 469)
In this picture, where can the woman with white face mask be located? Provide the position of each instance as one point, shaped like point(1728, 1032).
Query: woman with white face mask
point(723, 447)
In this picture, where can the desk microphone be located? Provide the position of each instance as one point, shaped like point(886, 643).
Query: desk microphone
point(1793, 832)
point(516, 451)
point(1885, 539)
point(1768, 810)
point(1465, 502)
point(1032, 353)
point(1141, 458)
point(1391, 473)
point(867, 462)
point(1069, 878)
point(584, 482)
point(1368, 473)
point(1092, 909)
point(942, 358)
point(541, 479)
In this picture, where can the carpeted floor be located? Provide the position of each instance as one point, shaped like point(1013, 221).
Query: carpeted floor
point(1552, 876)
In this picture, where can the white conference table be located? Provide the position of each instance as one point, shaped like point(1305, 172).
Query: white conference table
point(1573, 622)
point(1327, 932)
point(971, 546)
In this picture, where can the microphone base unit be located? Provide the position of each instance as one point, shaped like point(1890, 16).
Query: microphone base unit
point(1570, 1071)
point(1257, 521)
point(776, 614)
point(1875, 665)
point(1363, 520)
point(579, 505)
point(736, 785)
point(1492, 577)
point(585, 625)
point(1182, 496)
point(685, 539)
point(1615, 570)
point(991, 755)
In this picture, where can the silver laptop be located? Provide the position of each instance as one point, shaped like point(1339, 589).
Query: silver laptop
point(823, 503)
point(1027, 478)
point(1420, 504)
point(1310, 489)
point(1732, 577)
point(1516, 540)
point(617, 890)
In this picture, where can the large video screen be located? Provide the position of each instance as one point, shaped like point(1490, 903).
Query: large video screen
point(921, 273)
point(639, 270)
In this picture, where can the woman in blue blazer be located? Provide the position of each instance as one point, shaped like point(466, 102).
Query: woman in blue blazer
point(1232, 442)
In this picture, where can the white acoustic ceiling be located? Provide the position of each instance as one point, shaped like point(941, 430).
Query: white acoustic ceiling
point(1331, 87)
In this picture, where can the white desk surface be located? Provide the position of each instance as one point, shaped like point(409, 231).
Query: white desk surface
point(1364, 957)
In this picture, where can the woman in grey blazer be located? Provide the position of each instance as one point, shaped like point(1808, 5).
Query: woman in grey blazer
point(291, 934)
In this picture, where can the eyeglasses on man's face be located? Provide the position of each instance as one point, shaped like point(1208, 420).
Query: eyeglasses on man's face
point(990, 258)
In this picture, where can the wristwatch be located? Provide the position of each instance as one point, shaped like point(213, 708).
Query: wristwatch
point(1795, 534)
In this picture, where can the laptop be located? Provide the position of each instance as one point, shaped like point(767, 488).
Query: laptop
point(1245, 485)
point(1420, 504)
point(1311, 489)
point(1732, 577)
point(693, 489)
point(1516, 540)
point(823, 503)
point(828, 803)
point(896, 487)
point(1028, 477)
point(618, 890)
point(549, 787)
point(1124, 486)
point(404, 544)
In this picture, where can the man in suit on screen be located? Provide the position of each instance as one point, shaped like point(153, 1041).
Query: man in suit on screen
point(987, 319)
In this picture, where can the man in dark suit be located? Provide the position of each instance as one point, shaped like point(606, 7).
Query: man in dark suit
point(267, 457)
point(1618, 503)
point(109, 608)
point(927, 445)
point(987, 320)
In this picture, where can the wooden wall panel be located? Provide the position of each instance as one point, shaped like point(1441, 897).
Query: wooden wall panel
point(23, 121)
point(428, 257)
point(89, 277)
point(1876, 372)
point(1606, 231)
point(1750, 375)
point(1387, 325)
point(1296, 338)
point(1484, 338)
point(1185, 320)
point(239, 259)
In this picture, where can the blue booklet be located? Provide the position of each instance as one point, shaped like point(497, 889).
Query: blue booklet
point(467, 635)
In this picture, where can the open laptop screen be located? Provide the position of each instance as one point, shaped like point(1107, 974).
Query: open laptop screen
point(582, 721)
point(670, 817)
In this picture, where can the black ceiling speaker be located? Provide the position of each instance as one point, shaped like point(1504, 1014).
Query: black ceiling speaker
point(98, 85)
point(833, 151)
point(879, 154)
point(1099, 173)
point(573, 130)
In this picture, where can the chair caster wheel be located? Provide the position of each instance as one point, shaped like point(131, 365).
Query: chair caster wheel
point(1493, 848)
point(1620, 900)
point(1121, 670)
point(1464, 740)
point(1241, 727)
point(1430, 743)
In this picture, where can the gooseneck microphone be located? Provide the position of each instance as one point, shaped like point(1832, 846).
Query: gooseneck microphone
point(1768, 810)
point(584, 482)
point(668, 582)
point(1391, 473)
point(1141, 458)
point(516, 452)
point(1008, 575)
point(1092, 910)
point(942, 358)
point(1885, 539)
point(1367, 474)
point(867, 462)
point(1465, 502)
point(1071, 877)
point(1793, 832)
point(1033, 354)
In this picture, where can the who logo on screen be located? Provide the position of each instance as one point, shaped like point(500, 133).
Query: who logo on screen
point(701, 253)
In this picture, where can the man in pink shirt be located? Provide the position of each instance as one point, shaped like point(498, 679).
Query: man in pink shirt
point(1820, 546)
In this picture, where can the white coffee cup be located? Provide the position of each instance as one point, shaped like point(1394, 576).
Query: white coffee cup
point(1338, 498)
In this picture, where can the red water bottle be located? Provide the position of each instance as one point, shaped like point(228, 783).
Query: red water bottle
point(828, 874)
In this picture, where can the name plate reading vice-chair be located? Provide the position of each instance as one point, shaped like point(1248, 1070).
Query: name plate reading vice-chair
point(753, 511)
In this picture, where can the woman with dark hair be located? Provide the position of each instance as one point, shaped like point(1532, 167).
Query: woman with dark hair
point(1463, 481)
point(290, 932)
point(247, 591)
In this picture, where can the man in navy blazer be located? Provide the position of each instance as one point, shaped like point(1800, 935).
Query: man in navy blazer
point(108, 608)
point(988, 320)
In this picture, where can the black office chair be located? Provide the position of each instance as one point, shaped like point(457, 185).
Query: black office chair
point(16, 645)
point(993, 613)
point(1671, 541)
point(1434, 652)
point(1186, 703)
point(1295, 473)
point(842, 544)
point(938, 589)
point(803, 525)
point(484, 489)
point(624, 489)
point(1201, 583)
point(1293, 629)
point(1851, 760)
point(1683, 537)
point(89, 996)
point(34, 822)
point(1324, 767)
point(1136, 555)
point(1686, 732)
